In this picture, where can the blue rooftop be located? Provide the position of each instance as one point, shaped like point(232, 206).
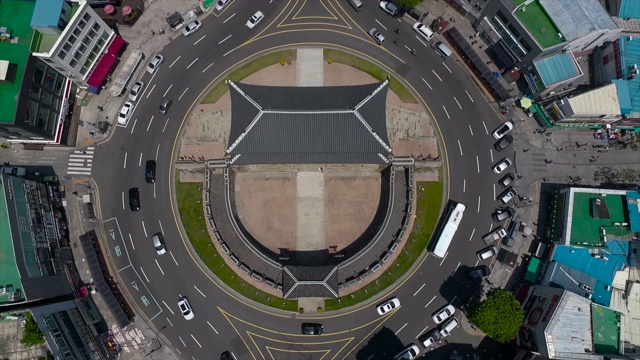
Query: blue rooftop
point(47, 13)
point(629, 56)
point(557, 68)
point(633, 205)
point(629, 9)
point(624, 98)
point(603, 270)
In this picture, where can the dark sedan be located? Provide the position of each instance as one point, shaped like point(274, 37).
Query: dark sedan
point(478, 272)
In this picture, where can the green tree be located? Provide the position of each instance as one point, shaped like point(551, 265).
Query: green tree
point(499, 316)
point(409, 4)
point(32, 334)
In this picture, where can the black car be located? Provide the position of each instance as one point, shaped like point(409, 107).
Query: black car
point(312, 329)
point(150, 172)
point(506, 180)
point(478, 272)
point(503, 143)
point(226, 356)
point(502, 214)
point(134, 199)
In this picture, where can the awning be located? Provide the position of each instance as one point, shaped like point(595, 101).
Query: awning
point(533, 270)
point(116, 45)
point(503, 54)
point(102, 69)
point(525, 103)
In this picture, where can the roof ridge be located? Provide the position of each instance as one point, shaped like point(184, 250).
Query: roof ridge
point(253, 122)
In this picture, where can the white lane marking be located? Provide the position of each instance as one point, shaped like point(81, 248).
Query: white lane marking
point(470, 130)
point(223, 40)
point(125, 160)
point(464, 185)
point(154, 190)
point(165, 125)
point(421, 42)
point(430, 301)
point(185, 90)
point(145, 275)
point(485, 128)
point(196, 43)
point(446, 112)
point(491, 153)
point(445, 65)
point(165, 93)
point(469, 95)
point(198, 290)
point(157, 263)
point(402, 61)
point(457, 102)
point(150, 91)
point(134, 125)
point(478, 203)
point(165, 304)
point(132, 245)
point(157, 150)
point(228, 52)
point(174, 259)
point(150, 121)
point(144, 228)
point(193, 62)
point(494, 191)
point(477, 261)
point(436, 74)
point(460, 146)
point(214, 329)
point(229, 18)
point(161, 229)
point(169, 321)
point(422, 332)
point(425, 81)
point(403, 326)
point(457, 266)
point(379, 23)
point(174, 61)
point(79, 172)
point(416, 293)
point(180, 337)
point(194, 339)
point(445, 256)
point(140, 161)
point(472, 232)
point(123, 200)
point(478, 164)
point(207, 68)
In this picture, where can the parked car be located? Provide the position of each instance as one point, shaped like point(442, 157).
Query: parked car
point(125, 113)
point(507, 195)
point(502, 165)
point(134, 199)
point(409, 353)
point(478, 272)
point(158, 243)
point(443, 314)
point(14, 170)
point(155, 63)
point(503, 143)
point(388, 305)
point(431, 338)
point(423, 30)
point(375, 34)
point(255, 20)
point(506, 180)
point(502, 214)
point(136, 90)
point(448, 327)
point(389, 8)
point(487, 252)
point(185, 308)
point(502, 130)
point(312, 329)
point(221, 4)
point(191, 27)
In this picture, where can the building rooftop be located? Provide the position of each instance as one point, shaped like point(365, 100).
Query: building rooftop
point(629, 9)
point(47, 13)
point(587, 217)
point(557, 68)
point(633, 206)
point(629, 56)
point(569, 330)
point(606, 334)
point(576, 19)
point(534, 18)
point(9, 273)
point(602, 100)
point(15, 15)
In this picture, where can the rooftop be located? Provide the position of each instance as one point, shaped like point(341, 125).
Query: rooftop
point(15, 15)
point(629, 9)
point(569, 330)
point(577, 19)
point(606, 334)
point(9, 273)
point(557, 68)
point(586, 223)
point(603, 100)
point(538, 22)
point(629, 56)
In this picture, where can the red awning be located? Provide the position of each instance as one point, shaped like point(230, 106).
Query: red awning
point(116, 45)
point(101, 70)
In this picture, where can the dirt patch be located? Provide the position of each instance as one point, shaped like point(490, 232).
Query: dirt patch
point(350, 204)
point(276, 75)
point(418, 148)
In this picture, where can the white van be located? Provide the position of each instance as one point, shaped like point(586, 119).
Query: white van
point(442, 49)
point(423, 30)
point(487, 252)
point(356, 4)
point(448, 327)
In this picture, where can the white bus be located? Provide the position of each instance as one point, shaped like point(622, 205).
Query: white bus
point(454, 216)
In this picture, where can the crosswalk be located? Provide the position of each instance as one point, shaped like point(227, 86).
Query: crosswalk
point(80, 162)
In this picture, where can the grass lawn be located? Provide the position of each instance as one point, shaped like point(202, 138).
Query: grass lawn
point(371, 69)
point(189, 196)
point(246, 70)
point(429, 201)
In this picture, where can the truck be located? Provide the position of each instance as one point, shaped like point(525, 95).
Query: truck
point(495, 235)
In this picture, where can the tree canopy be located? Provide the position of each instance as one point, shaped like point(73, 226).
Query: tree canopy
point(499, 316)
point(32, 334)
point(410, 4)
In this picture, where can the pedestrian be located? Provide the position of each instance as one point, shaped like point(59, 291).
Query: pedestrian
point(397, 30)
point(489, 62)
point(525, 150)
point(481, 46)
point(395, 41)
point(545, 179)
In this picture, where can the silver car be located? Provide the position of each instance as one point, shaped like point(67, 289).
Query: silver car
point(136, 90)
point(375, 34)
point(155, 63)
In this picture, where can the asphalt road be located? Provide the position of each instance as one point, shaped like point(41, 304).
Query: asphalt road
point(222, 321)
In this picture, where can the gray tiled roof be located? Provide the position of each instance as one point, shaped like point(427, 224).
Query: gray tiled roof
point(310, 281)
point(308, 125)
point(578, 18)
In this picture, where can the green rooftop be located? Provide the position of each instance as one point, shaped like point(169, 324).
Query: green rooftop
point(536, 20)
point(585, 227)
point(606, 334)
point(9, 274)
point(15, 15)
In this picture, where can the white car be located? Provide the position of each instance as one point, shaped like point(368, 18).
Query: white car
point(423, 30)
point(185, 308)
point(502, 130)
point(191, 28)
point(388, 305)
point(125, 113)
point(221, 4)
point(431, 338)
point(389, 8)
point(375, 34)
point(136, 90)
point(448, 327)
point(255, 20)
point(443, 314)
point(502, 165)
point(409, 353)
point(155, 63)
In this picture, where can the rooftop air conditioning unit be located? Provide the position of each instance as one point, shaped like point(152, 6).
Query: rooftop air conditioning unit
point(559, 36)
point(2, 290)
